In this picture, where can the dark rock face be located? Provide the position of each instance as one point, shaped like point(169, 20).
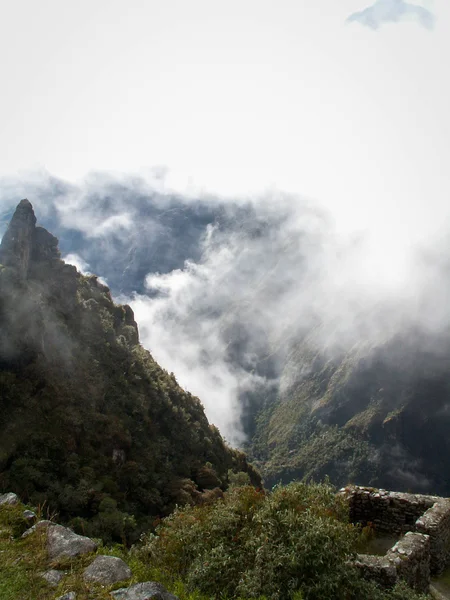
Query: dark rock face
point(24, 244)
point(31, 255)
point(18, 242)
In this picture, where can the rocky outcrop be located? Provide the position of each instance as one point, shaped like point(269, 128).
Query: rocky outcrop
point(62, 541)
point(17, 244)
point(24, 244)
point(144, 591)
point(107, 570)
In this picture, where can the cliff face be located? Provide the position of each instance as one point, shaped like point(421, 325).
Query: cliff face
point(88, 420)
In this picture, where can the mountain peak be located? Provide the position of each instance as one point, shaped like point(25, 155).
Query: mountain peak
point(25, 203)
point(24, 243)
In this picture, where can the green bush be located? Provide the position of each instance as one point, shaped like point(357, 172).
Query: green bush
point(294, 543)
point(251, 544)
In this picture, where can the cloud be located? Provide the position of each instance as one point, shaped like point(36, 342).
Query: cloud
point(227, 323)
point(392, 11)
point(224, 290)
point(81, 265)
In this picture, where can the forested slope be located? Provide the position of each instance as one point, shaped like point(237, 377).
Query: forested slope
point(89, 423)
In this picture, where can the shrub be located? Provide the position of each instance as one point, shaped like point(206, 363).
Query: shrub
point(251, 544)
point(294, 543)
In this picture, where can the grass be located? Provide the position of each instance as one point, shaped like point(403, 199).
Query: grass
point(22, 561)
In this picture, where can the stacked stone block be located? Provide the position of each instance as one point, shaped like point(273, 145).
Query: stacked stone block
point(425, 523)
point(435, 522)
point(388, 512)
point(408, 559)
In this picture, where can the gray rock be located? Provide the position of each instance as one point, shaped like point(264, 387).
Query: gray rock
point(52, 577)
point(107, 570)
point(9, 498)
point(144, 591)
point(68, 596)
point(44, 524)
point(62, 541)
point(17, 243)
point(29, 515)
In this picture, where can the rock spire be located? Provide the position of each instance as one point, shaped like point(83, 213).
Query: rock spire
point(24, 243)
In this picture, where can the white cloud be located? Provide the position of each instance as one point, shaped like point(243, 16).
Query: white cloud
point(76, 260)
point(81, 265)
point(392, 11)
point(287, 271)
point(280, 266)
point(297, 101)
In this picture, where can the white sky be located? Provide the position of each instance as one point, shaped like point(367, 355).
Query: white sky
point(233, 96)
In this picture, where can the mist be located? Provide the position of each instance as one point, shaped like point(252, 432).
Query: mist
point(223, 288)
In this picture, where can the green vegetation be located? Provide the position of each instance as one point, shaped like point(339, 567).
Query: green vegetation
point(24, 560)
point(89, 422)
point(293, 543)
point(94, 430)
point(357, 414)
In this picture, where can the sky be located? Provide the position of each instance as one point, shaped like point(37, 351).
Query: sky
point(342, 103)
point(338, 100)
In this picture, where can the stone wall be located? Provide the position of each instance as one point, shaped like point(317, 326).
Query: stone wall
point(425, 523)
point(388, 512)
point(435, 522)
point(408, 559)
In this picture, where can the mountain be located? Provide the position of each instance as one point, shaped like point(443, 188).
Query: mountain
point(377, 414)
point(89, 422)
point(325, 362)
point(124, 232)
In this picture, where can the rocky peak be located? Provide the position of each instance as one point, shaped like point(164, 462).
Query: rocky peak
point(24, 243)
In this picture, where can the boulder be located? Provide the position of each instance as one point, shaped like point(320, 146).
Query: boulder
point(9, 498)
point(62, 541)
point(53, 577)
point(29, 516)
point(44, 524)
point(144, 591)
point(107, 570)
point(68, 596)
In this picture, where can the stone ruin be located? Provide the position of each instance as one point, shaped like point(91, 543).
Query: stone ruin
point(422, 521)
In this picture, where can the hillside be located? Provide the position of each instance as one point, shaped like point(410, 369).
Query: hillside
point(377, 414)
point(319, 376)
point(89, 422)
